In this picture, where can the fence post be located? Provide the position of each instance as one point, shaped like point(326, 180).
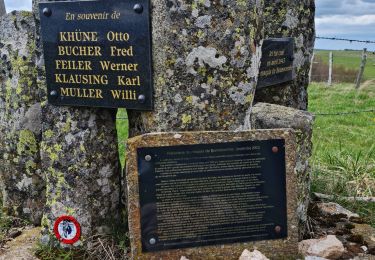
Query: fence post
point(361, 68)
point(311, 66)
point(330, 69)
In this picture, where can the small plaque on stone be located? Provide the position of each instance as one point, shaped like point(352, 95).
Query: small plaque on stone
point(214, 193)
point(277, 62)
point(98, 53)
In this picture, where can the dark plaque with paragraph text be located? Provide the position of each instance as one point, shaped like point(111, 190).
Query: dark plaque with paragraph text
point(277, 62)
point(212, 194)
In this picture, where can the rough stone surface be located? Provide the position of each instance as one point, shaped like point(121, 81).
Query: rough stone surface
point(206, 56)
point(79, 155)
point(80, 159)
point(332, 208)
point(274, 249)
point(315, 258)
point(2, 8)
point(304, 245)
point(23, 189)
point(293, 18)
point(328, 247)
point(367, 233)
point(268, 116)
point(355, 237)
point(255, 255)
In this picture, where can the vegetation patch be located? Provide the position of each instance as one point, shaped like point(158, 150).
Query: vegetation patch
point(343, 161)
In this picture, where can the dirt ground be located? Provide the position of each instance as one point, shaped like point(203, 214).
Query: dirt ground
point(20, 248)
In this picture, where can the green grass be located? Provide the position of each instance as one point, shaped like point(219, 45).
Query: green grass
point(52, 253)
point(122, 133)
point(354, 132)
point(351, 60)
point(343, 160)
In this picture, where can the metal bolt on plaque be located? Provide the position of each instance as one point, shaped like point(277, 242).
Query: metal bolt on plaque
point(277, 229)
point(141, 98)
point(148, 158)
point(53, 93)
point(152, 241)
point(47, 12)
point(138, 8)
point(275, 149)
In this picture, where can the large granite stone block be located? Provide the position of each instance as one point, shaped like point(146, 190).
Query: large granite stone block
point(293, 18)
point(269, 116)
point(21, 99)
point(79, 154)
point(2, 8)
point(206, 56)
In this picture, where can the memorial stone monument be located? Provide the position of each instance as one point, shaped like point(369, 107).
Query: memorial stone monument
point(79, 155)
point(21, 98)
point(178, 66)
point(2, 8)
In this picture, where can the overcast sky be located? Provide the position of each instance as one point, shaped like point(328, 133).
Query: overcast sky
point(354, 19)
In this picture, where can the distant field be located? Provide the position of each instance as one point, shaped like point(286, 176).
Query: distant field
point(350, 60)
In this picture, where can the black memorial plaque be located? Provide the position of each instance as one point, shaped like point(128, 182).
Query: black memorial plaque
point(98, 53)
point(277, 62)
point(209, 194)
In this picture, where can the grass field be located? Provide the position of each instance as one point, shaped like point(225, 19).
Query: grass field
point(343, 160)
point(350, 60)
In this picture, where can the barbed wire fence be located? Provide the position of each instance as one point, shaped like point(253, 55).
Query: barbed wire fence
point(347, 66)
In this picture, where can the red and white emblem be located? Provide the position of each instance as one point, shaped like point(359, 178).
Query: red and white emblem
point(67, 229)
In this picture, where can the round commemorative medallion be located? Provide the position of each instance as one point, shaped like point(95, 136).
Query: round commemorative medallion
point(67, 229)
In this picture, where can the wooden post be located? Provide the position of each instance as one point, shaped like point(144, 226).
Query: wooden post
point(311, 66)
point(330, 69)
point(361, 68)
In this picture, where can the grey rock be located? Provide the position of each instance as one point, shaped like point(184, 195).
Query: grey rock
point(293, 18)
point(33, 119)
point(22, 186)
point(270, 116)
point(329, 247)
point(367, 235)
point(14, 233)
point(315, 258)
point(204, 53)
point(254, 255)
point(331, 208)
point(2, 8)
point(304, 245)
